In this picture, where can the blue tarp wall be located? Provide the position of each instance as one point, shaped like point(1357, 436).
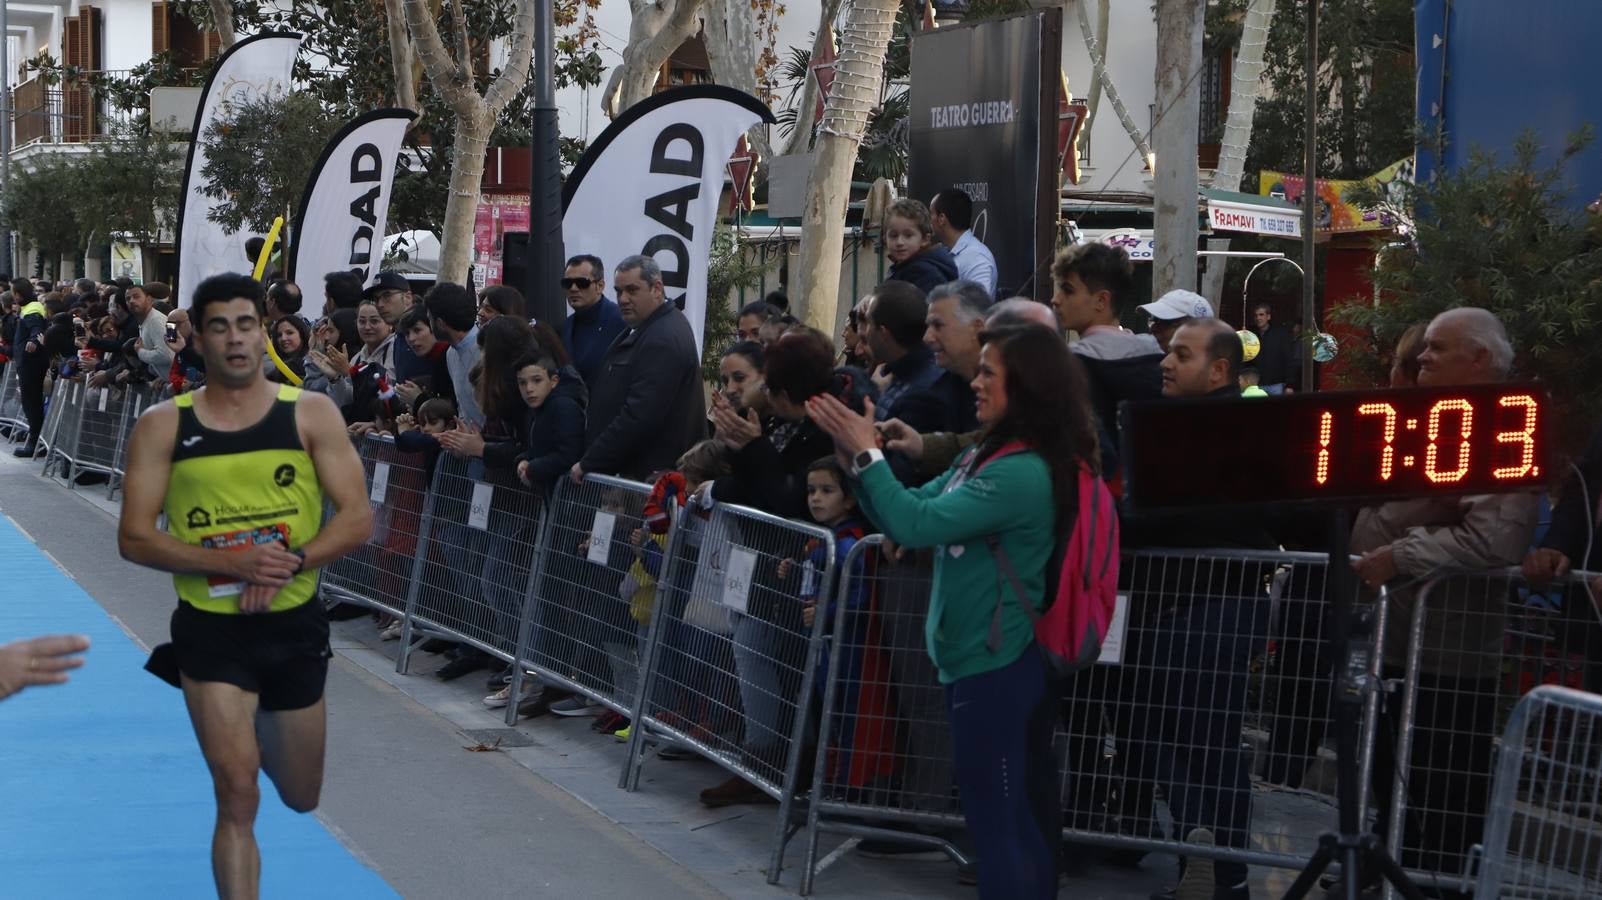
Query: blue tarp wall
point(1487, 71)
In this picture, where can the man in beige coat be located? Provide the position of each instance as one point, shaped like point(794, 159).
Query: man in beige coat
point(1402, 544)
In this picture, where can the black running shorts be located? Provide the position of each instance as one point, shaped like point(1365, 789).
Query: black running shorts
point(281, 656)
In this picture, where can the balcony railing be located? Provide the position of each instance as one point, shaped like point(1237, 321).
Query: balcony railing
point(71, 113)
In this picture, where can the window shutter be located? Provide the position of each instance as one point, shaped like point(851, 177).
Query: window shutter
point(160, 28)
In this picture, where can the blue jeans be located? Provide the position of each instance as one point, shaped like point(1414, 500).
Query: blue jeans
point(1001, 725)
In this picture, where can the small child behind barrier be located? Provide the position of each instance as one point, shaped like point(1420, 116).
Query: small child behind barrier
point(861, 752)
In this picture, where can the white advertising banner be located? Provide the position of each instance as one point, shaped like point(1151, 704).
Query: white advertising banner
point(651, 185)
point(343, 211)
point(255, 67)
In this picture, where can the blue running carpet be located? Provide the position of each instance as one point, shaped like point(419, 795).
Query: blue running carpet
point(103, 791)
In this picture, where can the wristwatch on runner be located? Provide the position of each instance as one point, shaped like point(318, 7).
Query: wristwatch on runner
point(302, 554)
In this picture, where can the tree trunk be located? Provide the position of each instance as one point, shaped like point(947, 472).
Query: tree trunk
point(222, 21)
point(728, 26)
point(475, 117)
point(806, 114)
point(1179, 46)
point(863, 40)
point(461, 203)
point(402, 57)
point(657, 29)
point(1246, 86)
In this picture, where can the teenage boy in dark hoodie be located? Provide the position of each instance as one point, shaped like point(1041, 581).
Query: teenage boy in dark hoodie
point(1093, 283)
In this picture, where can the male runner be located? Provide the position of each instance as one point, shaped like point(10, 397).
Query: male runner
point(241, 467)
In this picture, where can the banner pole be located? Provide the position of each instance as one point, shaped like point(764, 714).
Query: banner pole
point(545, 250)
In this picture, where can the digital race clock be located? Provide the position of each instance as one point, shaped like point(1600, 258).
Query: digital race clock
point(1348, 446)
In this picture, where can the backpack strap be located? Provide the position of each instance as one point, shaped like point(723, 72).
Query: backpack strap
point(1004, 564)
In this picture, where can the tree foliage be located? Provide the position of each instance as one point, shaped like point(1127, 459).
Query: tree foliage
point(728, 270)
point(1507, 238)
point(1365, 79)
point(259, 155)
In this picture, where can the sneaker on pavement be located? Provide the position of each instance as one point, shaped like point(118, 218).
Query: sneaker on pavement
point(576, 705)
point(500, 698)
point(608, 722)
point(392, 633)
point(673, 750)
point(623, 734)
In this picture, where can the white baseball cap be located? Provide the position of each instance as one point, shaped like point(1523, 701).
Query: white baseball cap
point(1179, 305)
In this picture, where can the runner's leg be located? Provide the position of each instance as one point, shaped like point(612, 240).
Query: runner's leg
point(292, 745)
point(221, 714)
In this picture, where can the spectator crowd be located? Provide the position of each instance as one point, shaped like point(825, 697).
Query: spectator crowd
point(956, 426)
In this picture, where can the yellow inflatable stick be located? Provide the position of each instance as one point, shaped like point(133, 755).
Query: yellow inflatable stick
point(261, 267)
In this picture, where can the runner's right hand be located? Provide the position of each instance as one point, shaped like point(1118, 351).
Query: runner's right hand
point(269, 564)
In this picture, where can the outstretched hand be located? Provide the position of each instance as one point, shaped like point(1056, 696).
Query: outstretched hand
point(40, 660)
point(852, 432)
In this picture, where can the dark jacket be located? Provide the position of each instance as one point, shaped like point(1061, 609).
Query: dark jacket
point(647, 406)
point(588, 333)
point(1568, 531)
point(913, 398)
point(1277, 356)
point(554, 433)
point(1119, 366)
point(770, 473)
point(32, 320)
point(956, 395)
point(934, 266)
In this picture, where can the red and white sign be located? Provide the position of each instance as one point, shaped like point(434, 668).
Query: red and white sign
point(496, 215)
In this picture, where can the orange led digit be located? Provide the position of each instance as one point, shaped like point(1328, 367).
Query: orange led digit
point(1431, 453)
point(1524, 436)
point(1326, 428)
point(1388, 455)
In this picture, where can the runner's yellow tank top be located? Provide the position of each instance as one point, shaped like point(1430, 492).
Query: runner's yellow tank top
point(232, 489)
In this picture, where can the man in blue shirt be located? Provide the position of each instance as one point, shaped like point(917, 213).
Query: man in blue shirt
point(952, 213)
point(595, 321)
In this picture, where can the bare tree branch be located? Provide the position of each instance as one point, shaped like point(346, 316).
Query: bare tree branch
point(521, 52)
point(222, 20)
point(402, 56)
point(437, 63)
point(464, 55)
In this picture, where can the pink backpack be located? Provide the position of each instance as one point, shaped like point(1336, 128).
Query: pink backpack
point(1081, 579)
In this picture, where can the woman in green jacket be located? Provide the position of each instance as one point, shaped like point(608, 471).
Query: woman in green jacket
point(1000, 706)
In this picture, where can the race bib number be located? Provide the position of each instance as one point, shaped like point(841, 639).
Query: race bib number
point(222, 585)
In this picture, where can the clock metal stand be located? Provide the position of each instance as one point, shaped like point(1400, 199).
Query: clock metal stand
point(1358, 850)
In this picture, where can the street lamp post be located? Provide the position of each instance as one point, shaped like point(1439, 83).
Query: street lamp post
point(545, 303)
point(5, 132)
point(1310, 194)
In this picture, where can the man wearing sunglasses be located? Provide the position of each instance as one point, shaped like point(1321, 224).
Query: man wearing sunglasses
point(595, 321)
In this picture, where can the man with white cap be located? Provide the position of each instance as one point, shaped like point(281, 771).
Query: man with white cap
point(1173, 309)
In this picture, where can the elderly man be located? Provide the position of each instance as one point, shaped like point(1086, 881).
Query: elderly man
point(1401, 544)
point(646, 404)
point(956, 315)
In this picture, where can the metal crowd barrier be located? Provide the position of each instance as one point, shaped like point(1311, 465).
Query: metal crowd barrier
point(477, 546)
point(585, 625)
point(1476, 642)
point(135, 401)
point(383, 572)
point(1212, 693)
point(59, 434)
point(1208, 709)
point(729, 669)
point(11, 415)
point(1544, 834)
